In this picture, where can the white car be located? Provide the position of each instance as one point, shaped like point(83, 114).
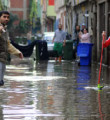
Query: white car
point(48, 36)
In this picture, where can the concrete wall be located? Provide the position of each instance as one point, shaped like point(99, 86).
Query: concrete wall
point(95, 15)
point(102, 25)
point(60, 12)
point(85, 12)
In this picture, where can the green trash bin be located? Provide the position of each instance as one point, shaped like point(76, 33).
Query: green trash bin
point(68, 50)
point(32, 38)
point(41, 50)
point(37, 52)
point(17, 39)
point(24, 40)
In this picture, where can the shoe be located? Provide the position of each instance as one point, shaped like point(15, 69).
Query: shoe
point(1, 83)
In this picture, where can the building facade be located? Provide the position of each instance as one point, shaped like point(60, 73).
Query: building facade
point(96, 16)
point(20, 7)
point(94, 13)
point(6, 4)
point(60, 9)
point(103, 24)
point(48, 15)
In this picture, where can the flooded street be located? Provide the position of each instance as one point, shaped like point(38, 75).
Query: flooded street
point(54, 91)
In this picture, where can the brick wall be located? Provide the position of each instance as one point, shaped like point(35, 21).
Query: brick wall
point(16, 3)
point(17, 7)
point(19, 14)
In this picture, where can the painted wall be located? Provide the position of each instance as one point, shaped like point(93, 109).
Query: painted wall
point(51, 8)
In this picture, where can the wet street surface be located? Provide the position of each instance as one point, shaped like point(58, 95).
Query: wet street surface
point(50, 90)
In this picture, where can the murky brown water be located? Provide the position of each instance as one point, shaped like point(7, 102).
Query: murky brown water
point(54, 91)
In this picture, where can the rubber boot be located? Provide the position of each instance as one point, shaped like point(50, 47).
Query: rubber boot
point(60, 58)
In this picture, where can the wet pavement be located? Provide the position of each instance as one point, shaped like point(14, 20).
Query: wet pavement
point(50, 90)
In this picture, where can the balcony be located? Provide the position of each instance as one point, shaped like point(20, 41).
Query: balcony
point(77, 2)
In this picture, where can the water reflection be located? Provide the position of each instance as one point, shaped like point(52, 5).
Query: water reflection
point(83, 77)
point(1, 113)
point(52, 91)
point(82, 97)
point(100, 107)
point(22, 102)
point(30, 97)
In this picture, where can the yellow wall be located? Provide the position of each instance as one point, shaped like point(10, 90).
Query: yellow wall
point(51, 11)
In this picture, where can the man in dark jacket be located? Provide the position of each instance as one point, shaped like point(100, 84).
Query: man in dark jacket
point(5, 45)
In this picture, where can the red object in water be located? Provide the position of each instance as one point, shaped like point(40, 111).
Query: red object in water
point(101, 58)
point(100, 108)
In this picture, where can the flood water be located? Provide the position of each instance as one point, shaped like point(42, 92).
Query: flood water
point(54, 91)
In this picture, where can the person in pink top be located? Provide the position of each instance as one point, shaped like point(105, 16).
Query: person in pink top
point(85, 37)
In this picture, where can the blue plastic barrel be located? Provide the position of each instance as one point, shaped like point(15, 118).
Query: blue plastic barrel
point(84, 51)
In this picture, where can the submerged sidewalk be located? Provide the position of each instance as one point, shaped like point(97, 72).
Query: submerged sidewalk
point(50, 90)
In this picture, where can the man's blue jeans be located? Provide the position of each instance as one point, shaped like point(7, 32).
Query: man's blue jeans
point(2, 70)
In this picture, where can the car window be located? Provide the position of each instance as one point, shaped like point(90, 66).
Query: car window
point(48, 38)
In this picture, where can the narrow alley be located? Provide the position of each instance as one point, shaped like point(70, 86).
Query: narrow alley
point(54, 91)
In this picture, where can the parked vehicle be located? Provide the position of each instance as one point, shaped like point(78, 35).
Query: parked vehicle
point(48, 36)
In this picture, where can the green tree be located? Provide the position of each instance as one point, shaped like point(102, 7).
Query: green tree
point(11, 26)
point(33, 13)
point(13, 18)
point(23, 27)
point(19, 29)
point(1, 6)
